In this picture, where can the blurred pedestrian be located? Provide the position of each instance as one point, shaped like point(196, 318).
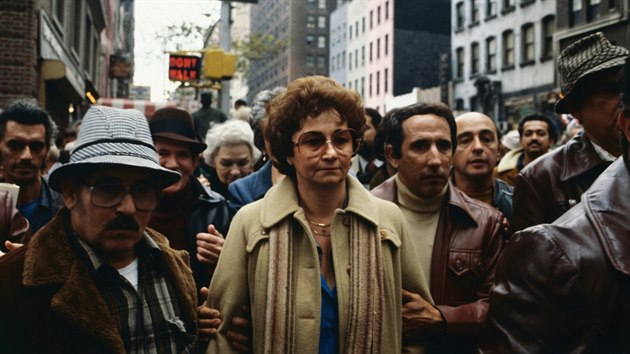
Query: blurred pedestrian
point(206, 117)
point(279, 253)
point(26, 133)
point(230, 155)
point(365, 163)
point(386, 170)
point(537, 134)
point(95, 279)
point(589, 69)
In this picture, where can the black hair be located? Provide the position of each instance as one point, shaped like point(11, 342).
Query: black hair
point(374, 115)
point(395, 135)
point(27, 112)
point(551, 128)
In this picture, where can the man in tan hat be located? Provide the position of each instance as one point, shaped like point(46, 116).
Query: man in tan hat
point(95, 279)
point(563, 287)
point(546, 189)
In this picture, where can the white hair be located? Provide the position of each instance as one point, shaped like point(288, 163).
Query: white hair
point(232, 132)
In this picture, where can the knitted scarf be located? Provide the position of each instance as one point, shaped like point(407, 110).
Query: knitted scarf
point(364, 333)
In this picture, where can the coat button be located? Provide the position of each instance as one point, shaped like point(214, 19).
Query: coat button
point(348, 269)
point(346, 220)
point(459, 265)
point(383, 234)
point(264, 231)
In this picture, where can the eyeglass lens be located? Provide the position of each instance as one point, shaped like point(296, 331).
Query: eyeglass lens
point(314, 142)
point(145, 197)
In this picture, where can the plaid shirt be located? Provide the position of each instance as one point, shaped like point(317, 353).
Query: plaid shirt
point(148, 319)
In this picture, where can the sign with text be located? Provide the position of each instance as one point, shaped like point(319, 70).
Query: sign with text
point(183, 67)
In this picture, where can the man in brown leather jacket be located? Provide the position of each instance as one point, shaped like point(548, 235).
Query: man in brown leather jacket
point(551, 185)
point(565, 287)
point(458, 239)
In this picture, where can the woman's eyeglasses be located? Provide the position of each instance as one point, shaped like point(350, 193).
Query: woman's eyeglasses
point(314, 142)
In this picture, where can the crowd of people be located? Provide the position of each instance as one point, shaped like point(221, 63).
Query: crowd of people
point(309, 223)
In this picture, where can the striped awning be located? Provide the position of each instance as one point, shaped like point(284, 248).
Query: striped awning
point(146, 107)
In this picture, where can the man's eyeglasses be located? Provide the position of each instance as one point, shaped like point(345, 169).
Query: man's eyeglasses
point(19, 145)
point(145, 197)
point(314, 142)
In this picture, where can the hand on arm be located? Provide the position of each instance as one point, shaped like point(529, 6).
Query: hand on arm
point(210, 319)
point(419, 316)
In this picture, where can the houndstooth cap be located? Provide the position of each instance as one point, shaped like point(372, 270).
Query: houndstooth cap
point(113, 137)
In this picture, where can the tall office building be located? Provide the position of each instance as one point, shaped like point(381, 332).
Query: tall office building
point(303, 27)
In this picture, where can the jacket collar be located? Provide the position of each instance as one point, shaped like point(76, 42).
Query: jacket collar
point(606, 204)
point(510, 160)
point(282, 201)
point(578, 156)
point(457, 201)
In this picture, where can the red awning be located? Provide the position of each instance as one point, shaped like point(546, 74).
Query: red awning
point(146, 107)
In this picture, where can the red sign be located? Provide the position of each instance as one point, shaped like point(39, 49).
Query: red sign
point(183, 67)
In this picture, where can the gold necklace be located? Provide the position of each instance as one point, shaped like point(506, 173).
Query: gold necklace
point(324, 232)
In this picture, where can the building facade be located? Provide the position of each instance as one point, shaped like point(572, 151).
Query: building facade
point(503, 58)
point(57, 52)
point(303, 26)
point(386, 48)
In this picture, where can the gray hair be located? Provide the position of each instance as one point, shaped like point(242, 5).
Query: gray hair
point(260, 103)
point(232, 132)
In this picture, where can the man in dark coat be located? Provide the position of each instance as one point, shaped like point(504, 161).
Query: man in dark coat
point(565, 287)
point(95, 279)
point(190, 215)
point(548, 187)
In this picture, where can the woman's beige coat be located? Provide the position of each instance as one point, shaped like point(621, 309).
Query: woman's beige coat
point(241, 274)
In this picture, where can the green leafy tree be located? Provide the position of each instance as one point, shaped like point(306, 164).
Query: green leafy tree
point(256, 47)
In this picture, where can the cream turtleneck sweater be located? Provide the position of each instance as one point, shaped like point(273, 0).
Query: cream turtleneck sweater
point(422, 217)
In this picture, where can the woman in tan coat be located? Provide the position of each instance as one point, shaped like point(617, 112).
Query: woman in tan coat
point(320, 261)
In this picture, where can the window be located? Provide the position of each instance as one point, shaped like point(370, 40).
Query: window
point(575, 15)
point(491, 8)
point(371, 19)
point(474, 12)
point(508, 5)
point(356, 58)
point(386, 81)
point(356, 29)
point(321, 62)
point(474, 105)
point(508, 49)
point(548, 27)
point(321, 22)
point(362, 55)
point(378, 48)
point(310, 62)
point(474, 58)
point(76, 35)
point(350, 31)
point(343, 60)
point(459, 11)
point(87, 45)
point(363, 25)
point(491, 55)
point(310, 39)
point(310, 21)
point(322, 4)
point(363, 86)
point(370, 52)
point(59, 10)
point(350, 61)
point(459, 63)
point(528, 43)
point(386, 10)
point(592, 12)
point(378, 15)
point(378, 83)
point(370, 86)
point(321, 42)
point(386, 44)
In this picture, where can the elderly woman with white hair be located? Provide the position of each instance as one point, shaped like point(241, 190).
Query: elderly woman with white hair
point(230, 155)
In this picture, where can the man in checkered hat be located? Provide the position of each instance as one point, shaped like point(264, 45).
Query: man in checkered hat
point(565, 287)
point(547, 188)
point(95, 279)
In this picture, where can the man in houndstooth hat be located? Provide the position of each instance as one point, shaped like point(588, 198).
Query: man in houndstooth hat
point(95, 279)
point(547, 188)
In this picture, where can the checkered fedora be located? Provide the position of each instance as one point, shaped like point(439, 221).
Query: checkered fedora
point(588, 55)
point(113, 137)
